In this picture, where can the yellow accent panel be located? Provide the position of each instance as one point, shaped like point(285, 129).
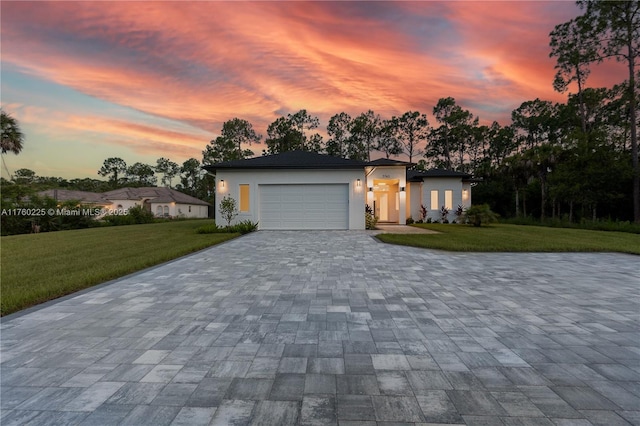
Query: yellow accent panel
point(244, 198)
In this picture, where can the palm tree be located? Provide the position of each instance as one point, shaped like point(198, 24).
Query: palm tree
point(12, 137)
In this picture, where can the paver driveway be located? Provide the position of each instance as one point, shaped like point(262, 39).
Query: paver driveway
point(320, 328)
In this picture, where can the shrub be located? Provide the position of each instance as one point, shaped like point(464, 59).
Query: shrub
point(141, 215)
point(369, 217)
point(479, 213)
point(243, 227)
point(444, 212)
point(423, 213)
point(228, 209)
point(410, 220)
point(459, 213)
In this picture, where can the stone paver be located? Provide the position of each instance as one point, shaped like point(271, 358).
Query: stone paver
point(335, 328)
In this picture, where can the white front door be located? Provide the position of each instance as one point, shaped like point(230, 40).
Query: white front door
point(384, 207)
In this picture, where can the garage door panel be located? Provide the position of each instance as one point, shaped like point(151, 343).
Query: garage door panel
point(304, 206)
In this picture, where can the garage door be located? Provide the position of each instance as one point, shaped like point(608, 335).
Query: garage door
point(304, 206)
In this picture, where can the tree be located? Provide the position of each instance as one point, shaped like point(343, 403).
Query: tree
point(617, 35)
point(143, 174)
point(532, 120)
point(411, 129)
point(572, 44)
point(388, 138)
point(190, 177)
point(302, 121)
point(228, 209)
point(240, 132)
point(339, 131)
point(24, 176)
point(452, 136)
point(169, 170)
point(12, 137)
point(366, 132)
point(282, 137)
point(288, 134)
point(113, 167)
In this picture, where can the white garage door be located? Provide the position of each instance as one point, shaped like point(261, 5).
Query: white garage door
point(304, 206)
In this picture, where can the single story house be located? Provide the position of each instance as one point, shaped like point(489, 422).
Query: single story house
point(305, 190)
point(162, 202)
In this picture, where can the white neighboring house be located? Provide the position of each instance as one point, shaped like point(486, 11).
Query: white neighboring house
point(162, 202)
point(304, 190)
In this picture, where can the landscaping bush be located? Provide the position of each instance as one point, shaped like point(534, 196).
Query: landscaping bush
point(243, 227)
point(135, 215)
point(444, 213)
point(410, 220)
point(228, 209)
point(369, 218)
point(479, 213)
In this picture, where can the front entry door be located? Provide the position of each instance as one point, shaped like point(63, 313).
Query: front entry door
point(384, 207)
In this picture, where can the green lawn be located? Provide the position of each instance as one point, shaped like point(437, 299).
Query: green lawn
point(516, 238)
point(41, 267)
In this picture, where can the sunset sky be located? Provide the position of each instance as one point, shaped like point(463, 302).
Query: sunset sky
point(143, 80)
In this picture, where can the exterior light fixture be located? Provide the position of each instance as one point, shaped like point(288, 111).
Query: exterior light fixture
point(371, 189)
point(358, 183)
point(402, 189)
point(222, 183)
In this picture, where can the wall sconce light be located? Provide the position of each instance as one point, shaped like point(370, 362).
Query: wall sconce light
point(402, 189)
point(371, 189)
point(358, 183)
point(221, 183)
point(465, 194)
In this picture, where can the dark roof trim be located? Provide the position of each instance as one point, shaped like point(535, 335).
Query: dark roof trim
point(290, 160)
point(418, 175)
point(389, 162)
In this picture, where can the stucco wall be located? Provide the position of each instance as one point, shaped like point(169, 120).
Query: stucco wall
point(181, 210)
point(234, 178)
point(442, 184)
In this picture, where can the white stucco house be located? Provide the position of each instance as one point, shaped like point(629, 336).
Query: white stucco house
point(305, 190)
point(162, 202)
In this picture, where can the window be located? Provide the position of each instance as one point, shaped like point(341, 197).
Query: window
point(448, 199)
point(159, 211)
point(166, 211)
point(189, 209)
point(244, 198)
point(434, 200)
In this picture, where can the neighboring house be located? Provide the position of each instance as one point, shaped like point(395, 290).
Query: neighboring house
point(162, 202)
point(305, 190)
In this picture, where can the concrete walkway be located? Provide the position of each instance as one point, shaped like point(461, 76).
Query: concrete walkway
point(322, 328)
point(402, 229)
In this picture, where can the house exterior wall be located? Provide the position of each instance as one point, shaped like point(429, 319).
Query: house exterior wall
point(192, 211)
point(123, 205)
point(255, 177)
point(415, 199)
point(443, 184)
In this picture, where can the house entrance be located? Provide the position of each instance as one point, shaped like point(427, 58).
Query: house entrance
point(386, 201)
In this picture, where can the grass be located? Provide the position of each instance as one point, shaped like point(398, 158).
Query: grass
point(516, 238)
point(40, 267)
